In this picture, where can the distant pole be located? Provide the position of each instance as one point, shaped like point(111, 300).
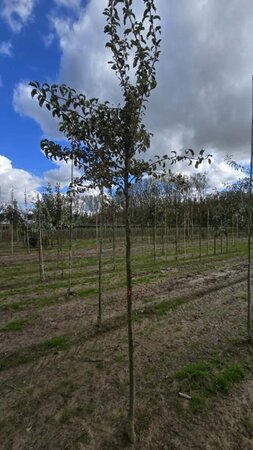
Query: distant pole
point(250, 225)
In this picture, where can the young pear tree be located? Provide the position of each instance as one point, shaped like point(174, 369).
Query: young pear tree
point(106, 141)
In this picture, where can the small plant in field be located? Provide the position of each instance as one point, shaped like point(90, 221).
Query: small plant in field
point(227, 377)
point(194, 371)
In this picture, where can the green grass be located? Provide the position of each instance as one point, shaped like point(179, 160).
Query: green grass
point(36, 303)
point(58, 342)
point(227, 377)
point(86, 292)
point(32, 354)
point(194, 371)
point(14, 325)
point(160, 309)
point(202, 380)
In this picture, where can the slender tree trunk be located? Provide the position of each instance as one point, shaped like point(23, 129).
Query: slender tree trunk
point(27, 238)
point(100, 262)
point(41, 255)
point(12, 238)
point(131, 410)
point(70, 234)
point(192, 232)
point(200, 234)
point(233, 230)
point(184, 235)
point(165, 232)
point(208, 230)
point(154, 236)
point(113, 238)
point(250, 231)
point(61, 252)
point(176, 237)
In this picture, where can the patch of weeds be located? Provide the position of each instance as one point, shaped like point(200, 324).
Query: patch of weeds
point(204, 379)
point(41, 302)
point(34, 353)
point(197, 375)
point(11, 306)
point(194, 371)
point(161, 308)
point(119, 357)
point(14, 325)
point(227, 377)
point(55, 342)
point(16, 360)
point(87, 292)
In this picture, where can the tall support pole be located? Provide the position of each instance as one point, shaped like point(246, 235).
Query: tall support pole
point(70, 229)
point(250, 228)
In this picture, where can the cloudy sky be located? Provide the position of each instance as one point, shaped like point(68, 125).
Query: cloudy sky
point(203, 98)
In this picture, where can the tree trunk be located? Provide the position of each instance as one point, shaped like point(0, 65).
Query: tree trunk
point(113, 238)
point(12, 238)
point(100, 256)
point(154, 236)
point(131, 410)
point(184, 235)
point(250, 230)
point(208, 231)
point(176, 237)
point(70, 234)
point(41, 256)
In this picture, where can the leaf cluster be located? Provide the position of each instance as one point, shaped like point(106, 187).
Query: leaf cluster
point(135, 49)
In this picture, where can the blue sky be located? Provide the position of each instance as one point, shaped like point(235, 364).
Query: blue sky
point(203, 98)
point(29, 58)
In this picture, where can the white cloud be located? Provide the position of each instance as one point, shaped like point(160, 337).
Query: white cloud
point(84, 57)
point(18, 180)
point(25, 105)
point(203, 98)
point(21, 181)
point(61, 174)
point(17, 13)
point(6, 48)
point(204, 85)
point(219, 173)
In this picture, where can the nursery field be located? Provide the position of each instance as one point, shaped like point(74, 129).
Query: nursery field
point(64, 384)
